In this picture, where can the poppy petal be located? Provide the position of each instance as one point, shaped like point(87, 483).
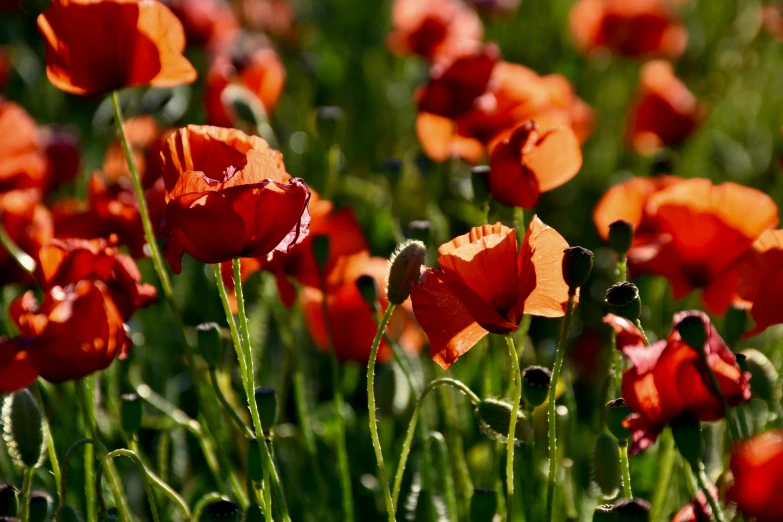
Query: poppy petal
point(555, 158)
point(541, 286)
point(510, 182)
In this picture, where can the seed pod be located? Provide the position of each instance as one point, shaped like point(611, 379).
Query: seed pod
point(131, 413)
point(604, 513)
point(535, 384)
point(328, 123)
point(494, 418)
point(686, 430)
point(209, 343)
point(693, 333)
point(254, 513)
point(41, 506)
point(222, 511)
point(483, 505)
point(23, 432)
point(9, 505)
point(255, 464)
point(606, 466)
point(622, 299)
point(368, 289)
point(266, 398)
point(632, 510)
point(405, 270)
point(577, 265)
point(66, 513)
point(616, 412)
point(621, 237)
point(764, 374)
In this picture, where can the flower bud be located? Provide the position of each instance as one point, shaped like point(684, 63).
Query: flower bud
point(616, 412)
point(604, 513)
point(479, 177)
point(266, 398)
point(632, 510)
point(483, 505)
point(494, 418)
point(622, 299)
point(66, 513)
point(420, 230)
point(693, 333)
point(620, 237)
point(328, 121)
point(131, 413)
point(222, 511)
point(405, 270)
point(9, 505)
point(210, 344)
point(535, 385)
point(255, 466)
point(368, 289)
point(41, 506)
point(321, 250)
point(577, 264)
point(23, 429)
point(254, 513)
point(606, 464)
point(686, 430)
point(764, 374)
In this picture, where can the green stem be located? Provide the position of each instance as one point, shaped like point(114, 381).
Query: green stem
point(666, 456)
point(733, 431)
point(519, 223)
point(24, 500)
point(376, 441)
point(21, 257)
point(47, 431)
point(641, 330)
point(739, 411)
point(63, 486)
point(227, 408)
point(267, 498)
point(701, 479)
point(516, 377)
point(86, 401)
point(622, 265)
point(406, 445)
point(530, 471)
point(626, 468)
point(204, 501)
point(552, 421)
point(442, 453)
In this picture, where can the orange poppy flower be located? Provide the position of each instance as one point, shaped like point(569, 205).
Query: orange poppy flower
point(16, 370)
point(261, 72)
point(761, 280)
point(664, 112)
point(697, 510)
point(29, 224)
point(23, 163)
point(528, 163)
point(228, 195)
point(757, 466)
point(65, 262)
point(273, 17)
point(484, 286)
point(82, 51)
point(209, 23)
point(432, 28)
point(667, 378)
point(700, 234)
point(352, 322)
point(73, 332)
point(633, 28)
point(563, 96)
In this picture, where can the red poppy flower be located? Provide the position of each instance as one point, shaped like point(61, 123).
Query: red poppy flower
point(61, 147)
point(16, 370)
point(209, 23)
point(351, 319)
point(6, 67)
point(98, 46)
point(228, 195)
point(697, 510)
point(528, 163)
point(28, 223)
point(761, 280)
point(668, 378)
point(757, 466)
point(273, 17)
point(260, 72)
point(664, 112)
point(634, 28)
point(23, 163)
point(72, 333)
point(65, 262)
point(484, 286)
point(699, 235)
point(432, 28)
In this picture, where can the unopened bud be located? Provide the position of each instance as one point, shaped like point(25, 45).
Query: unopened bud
point(23, 429)
point(321, 250)
point(494, 418)
point(622, 299)
point(693, 332)
point(368, 289)
point(255, 465)
point(209, 343)
point(616, 412)
point(41, 506)
point(266, 399)
point(420, 230)
point(222, 511)
point(483, 505)
point(577, 265)
point(66, 513)
point(764, 374)
point(9, 505)
point(479, 177)
point(328, 121)
point(604, 513)
point(606, 464)
point(131, 413)
point(405, 270)
point(621, 237)
point(254, 513)
point(535, 385)
point(632, 510)
point(686, 430)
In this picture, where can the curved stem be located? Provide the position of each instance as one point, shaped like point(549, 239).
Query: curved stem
point(552, 421)
point(26, 262)
point(626, 468)
point(516, 377)
point(47, 431)
point(376, 441)
point(144, 480)
point(701, 480)
point(64, 475)
point(204, 501)
point(232, 413)
point(449, 492)
point(641, 330)
point(715, 385)
point(406, 445)
point(24, 495)
point(87, 404)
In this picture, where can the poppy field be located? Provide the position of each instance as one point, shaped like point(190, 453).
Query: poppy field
point(396, 260)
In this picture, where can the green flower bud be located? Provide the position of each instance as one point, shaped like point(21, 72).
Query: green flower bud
point(255, 464)
point(693, 333)
point(494, 417)
point(405, 270)
point(764, 374)
point(621, 237)
point(622, 299)
point(9, 505)
point(67, 514)
point(577, 265)
point(328, 122)
point(420, 230)
point(479, 177)
point(368, 289)
point(222, 511)
point(616, 412)
point(23, 432)
point(604, 513)
point(254, 513)
point(266, 398)
point(321, 250)
point(41, 506)
point(686, 430)
point(483, 505)
point(535, 385)
point(131, 413)
point(210, 344)
point(606, 464)
point(632, 510)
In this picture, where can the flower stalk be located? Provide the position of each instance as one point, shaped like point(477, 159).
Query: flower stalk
point(516, 378)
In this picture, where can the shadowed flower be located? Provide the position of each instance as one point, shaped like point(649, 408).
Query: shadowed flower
point(209, 23)
point(65, 262)
point(29, 224)
point(757, 466)
point(16, 370)
point(633, 28)
point(98, 46)
point(432, 28)
point(528, 163)
point(761, 281)
point(664, 112)
point(668, 378)
point(23, 162)
point(698, 509)
point(228, 195)
point(484, 286)
point(73, 332)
